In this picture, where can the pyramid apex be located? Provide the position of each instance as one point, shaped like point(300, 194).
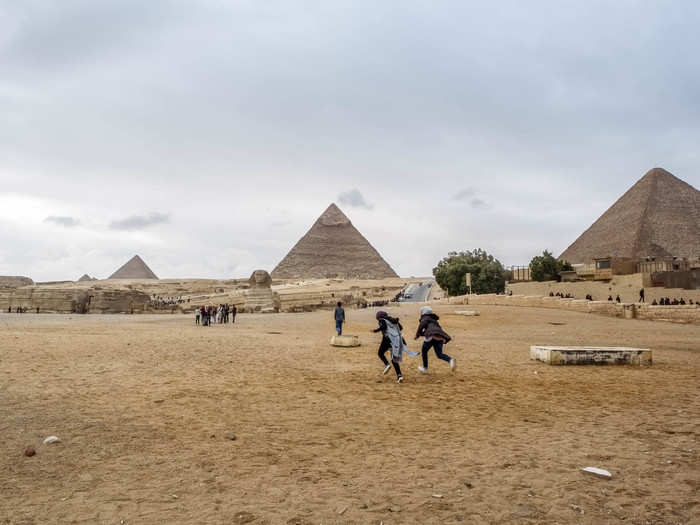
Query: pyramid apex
point(333, 216)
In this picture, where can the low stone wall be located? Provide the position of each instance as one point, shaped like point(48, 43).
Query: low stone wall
point(626, 286)
point(678, 314)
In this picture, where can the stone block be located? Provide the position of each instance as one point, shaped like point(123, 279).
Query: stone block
point(468, 313)
point(590, 355)
point(345, 340)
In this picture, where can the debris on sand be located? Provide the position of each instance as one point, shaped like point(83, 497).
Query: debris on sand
point(598, 472)
point(29, 452)
point(230, 435)
point(52, 439)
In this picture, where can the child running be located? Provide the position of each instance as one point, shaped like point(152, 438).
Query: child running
point(435, 337)
point(391, 339)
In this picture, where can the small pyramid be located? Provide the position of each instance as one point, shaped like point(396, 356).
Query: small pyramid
point(659, 216)
point(333, 248)
point(134, 269)
point(86, 277)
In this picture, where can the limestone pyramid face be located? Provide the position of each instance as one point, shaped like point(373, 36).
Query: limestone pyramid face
point(659, 216)
point(333, 248)
point(134, 269)
point(85, 278)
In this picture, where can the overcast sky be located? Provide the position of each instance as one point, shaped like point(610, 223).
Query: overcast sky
point(208, 136)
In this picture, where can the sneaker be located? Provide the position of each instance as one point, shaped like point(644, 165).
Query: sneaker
point(386, 368)
point(422, 370)
point(399, 379)
point(453, 364)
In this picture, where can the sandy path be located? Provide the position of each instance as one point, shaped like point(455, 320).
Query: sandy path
point(142, 404)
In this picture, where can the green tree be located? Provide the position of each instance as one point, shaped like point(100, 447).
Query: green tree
point(546, 268)
point(488, 274)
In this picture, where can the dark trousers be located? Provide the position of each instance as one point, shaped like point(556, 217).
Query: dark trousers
point(386, 345)
point(196, 319)
point(437, 345)
point(339, 326)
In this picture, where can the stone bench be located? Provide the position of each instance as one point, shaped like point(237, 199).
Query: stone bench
point(590, 355)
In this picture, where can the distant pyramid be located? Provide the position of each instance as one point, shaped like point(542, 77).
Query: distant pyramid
point(333, 248)
point(658, 216)
point(134, 269)
point(86, 277)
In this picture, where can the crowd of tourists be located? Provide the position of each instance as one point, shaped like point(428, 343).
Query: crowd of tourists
point(212, 314)
point(159, 302)
point(665, 301)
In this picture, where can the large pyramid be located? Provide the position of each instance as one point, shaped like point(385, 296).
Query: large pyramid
point(333, 248)
point(134, 269)
point(658, 216)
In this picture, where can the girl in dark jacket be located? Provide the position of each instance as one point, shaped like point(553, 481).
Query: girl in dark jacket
point(435, 337)
point(382, 319)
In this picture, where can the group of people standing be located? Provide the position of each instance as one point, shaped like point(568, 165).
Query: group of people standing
point(434, 337)
point(209, 315)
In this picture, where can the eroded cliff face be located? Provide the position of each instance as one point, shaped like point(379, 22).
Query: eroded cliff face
point(76, 300)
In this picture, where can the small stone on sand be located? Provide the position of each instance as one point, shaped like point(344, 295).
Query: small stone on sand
point(598, 472)
point(52, 439)
point(29, 452)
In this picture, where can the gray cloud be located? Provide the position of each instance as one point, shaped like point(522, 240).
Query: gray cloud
point(139, 222)
point(67, 222)
point(354, 199)
point(463, 194)
point(470, 195)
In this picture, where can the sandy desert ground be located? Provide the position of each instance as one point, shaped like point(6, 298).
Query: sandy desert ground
point(143, 405)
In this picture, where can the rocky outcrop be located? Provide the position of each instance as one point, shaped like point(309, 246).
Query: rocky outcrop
point(10, 281)
point(73, 300)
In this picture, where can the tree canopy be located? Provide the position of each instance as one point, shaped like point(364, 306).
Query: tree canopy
point(546, 268)
point(488, 274)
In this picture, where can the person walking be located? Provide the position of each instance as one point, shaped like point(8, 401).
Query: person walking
point(339, 315)
point(392, 339)
point(234, 310)
point(197, 313)
point(641, 295)
point(435, 337)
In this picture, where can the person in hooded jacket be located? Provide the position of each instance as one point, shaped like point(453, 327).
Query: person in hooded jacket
point(383, 319)
point(435, 337)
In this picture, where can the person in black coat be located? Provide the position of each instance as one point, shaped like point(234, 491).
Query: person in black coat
point(435, 337)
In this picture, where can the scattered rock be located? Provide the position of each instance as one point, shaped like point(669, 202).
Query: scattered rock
point(394, 508)
point(438, 496)
point(342, 511)
point(29, 452)
point(230, 435)
point(578, 509)
point(468, 484)
point(241, 518)
point(52, 439)
point(598, 472)
point(524, 511)
point(158, 401)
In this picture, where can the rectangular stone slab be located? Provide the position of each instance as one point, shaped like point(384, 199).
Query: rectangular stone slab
point(591, 355)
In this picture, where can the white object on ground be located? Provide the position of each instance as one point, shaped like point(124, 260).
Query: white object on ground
point(598, 472)
point(52, 439)
point(468, 313)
